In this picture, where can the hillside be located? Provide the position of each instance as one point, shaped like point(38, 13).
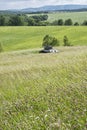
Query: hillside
point(48, 8)
point(17, 38)
point(55, 8)
point(44, 91)
point(75, 16)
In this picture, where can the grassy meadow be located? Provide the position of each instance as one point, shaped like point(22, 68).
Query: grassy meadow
point(75, 16)
point(17, 38)
point(43, 91)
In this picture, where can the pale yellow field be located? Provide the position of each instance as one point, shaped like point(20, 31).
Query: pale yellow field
point(44, 91)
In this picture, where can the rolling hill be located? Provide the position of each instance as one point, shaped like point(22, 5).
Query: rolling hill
point(49, 8)
point(55, 8)
point(17, 38)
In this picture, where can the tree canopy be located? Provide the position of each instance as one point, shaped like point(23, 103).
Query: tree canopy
point(2, 20)
point(50, 41)
point(16, 21)
point(68, 22)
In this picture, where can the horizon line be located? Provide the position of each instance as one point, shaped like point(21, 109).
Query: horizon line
point(39, 7)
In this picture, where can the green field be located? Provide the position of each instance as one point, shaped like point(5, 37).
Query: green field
point(43, 91)
point(75, 16)
point(17, 38)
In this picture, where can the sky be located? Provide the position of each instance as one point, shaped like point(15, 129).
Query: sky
point(20, 4)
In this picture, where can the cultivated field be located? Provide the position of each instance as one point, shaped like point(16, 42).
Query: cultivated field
point(42, 91)
point(17, 38)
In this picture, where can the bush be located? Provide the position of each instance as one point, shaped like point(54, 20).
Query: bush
point(54, 23)
point(1, 47)
point(60, 22)
point(84, 23)
point(76, 24)
point(68, 22)
point(66, 41)
point(50, 41)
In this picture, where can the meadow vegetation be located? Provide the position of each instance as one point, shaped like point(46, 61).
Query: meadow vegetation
point(43, 91)
point(44, 19)
point(17, 38)
point(78, 18)
point(75, 16)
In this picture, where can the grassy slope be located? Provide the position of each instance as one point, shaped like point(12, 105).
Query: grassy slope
point(75, 16)
point(44, 91)
point(16, 38)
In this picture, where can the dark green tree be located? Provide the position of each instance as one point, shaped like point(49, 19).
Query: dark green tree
point(60, 22)
point(84, 23)
point(2, 20)
point(31, 22)
point(16, 21)
point(50, 41)
point(68, 22)
point(76, 24)
point(39, 18)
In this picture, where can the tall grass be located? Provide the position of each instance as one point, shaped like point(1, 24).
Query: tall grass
point(44, 91)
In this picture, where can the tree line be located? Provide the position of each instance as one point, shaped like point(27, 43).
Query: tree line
point(68, 22)
point(22, 20)
point(34, 20)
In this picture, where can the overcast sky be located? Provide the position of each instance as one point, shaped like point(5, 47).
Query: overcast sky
point(19, 4)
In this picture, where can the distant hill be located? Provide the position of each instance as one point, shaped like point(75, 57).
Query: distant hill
point(56, 8)
point(49, 8)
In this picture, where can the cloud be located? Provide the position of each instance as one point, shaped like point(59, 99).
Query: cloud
point(15, 4)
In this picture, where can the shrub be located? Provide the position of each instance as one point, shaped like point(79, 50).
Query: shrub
point(84, 23)
point(55, 23)
point(76, 24)
point(68, 22)
point(60, 22)
point(1, 47)
point(66, 41)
